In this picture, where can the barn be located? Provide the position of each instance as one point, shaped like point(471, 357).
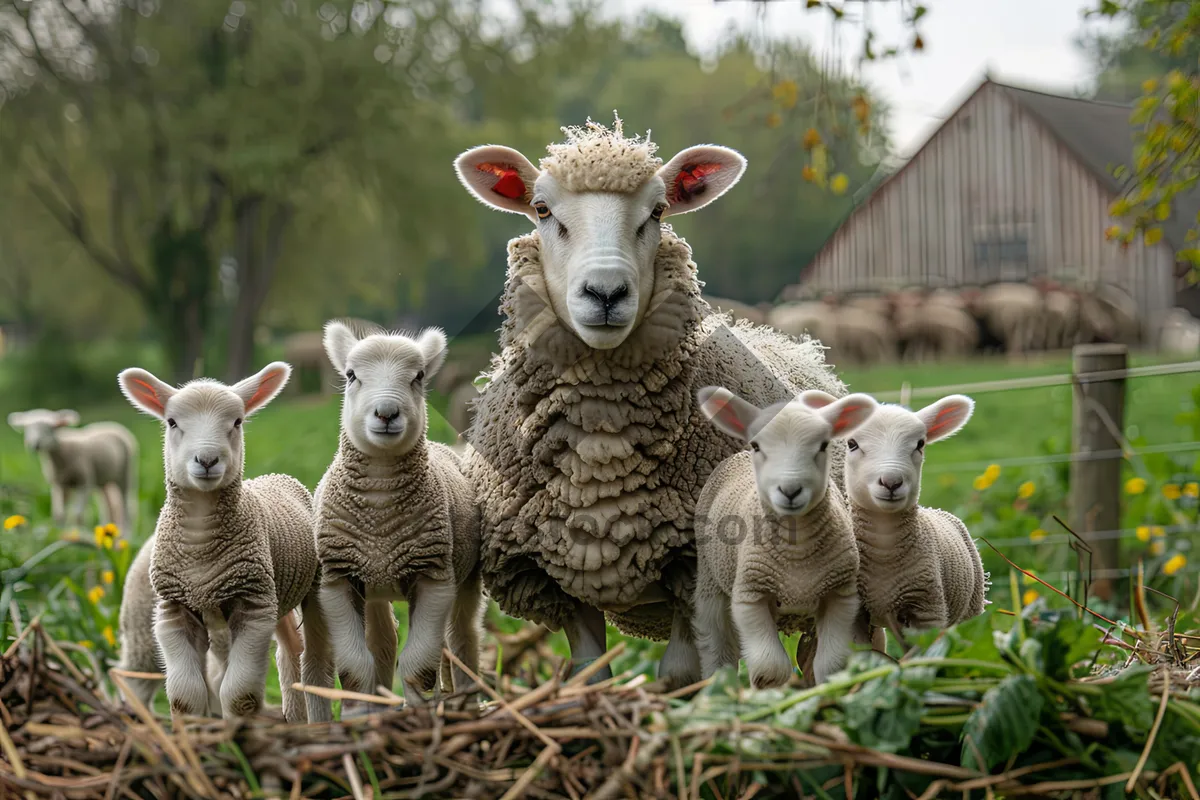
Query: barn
point(1015, 184)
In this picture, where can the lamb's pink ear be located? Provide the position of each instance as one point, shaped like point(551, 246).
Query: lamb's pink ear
point(730, 413)
point(815, 398)
point(848, 413)
point(698, 175)
point(65, 418)
point(260, 389)
point(146, 392)
point(499, 177)
point(432, 342)
point(946, 417)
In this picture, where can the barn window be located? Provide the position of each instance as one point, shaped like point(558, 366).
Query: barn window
point(1002, 251)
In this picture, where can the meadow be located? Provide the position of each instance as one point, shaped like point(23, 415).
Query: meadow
point(984, 474)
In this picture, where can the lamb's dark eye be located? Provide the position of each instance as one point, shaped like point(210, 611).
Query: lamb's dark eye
point(853, 445)
point(420, 375)
point(754, 446)
point(237, 423)
point(543, 210)
point(657, 213)
point(350, 376)
point(920, 445)
point(171, 423)
point(824, 446)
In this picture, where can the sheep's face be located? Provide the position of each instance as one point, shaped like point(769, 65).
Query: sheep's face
point(383, 408)
point(885, 455)
point(203, 447)
point(789, 443)
point(39, 426)
point(599, 235)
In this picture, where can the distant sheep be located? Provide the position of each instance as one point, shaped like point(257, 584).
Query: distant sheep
point(230, 555)
point(919, 567)
point(774, 542)
point(101, 456)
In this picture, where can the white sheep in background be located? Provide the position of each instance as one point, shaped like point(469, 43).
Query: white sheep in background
point(231, 556)
point(396, 520)
point(774, 542)
point(919, 567)
point(101, 456)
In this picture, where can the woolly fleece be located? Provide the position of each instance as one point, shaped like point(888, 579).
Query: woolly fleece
point(421, 520)
point(588, 463)
point(751, 554)
point(925, 574)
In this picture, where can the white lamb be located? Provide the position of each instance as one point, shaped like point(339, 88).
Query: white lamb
point(231, 557)
point(98, 457)
point(774, 542)
point(395, 520)
point(919, 567)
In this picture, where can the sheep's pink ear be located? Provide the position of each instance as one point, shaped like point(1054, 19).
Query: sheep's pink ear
point(146, 392)
point(946, 417)
point(698, 175)
point(432, 342)
point(727, 411)
point(499, 177)
point(260, 389)
point(65, 418)
point(848, 413)
point(815, 398)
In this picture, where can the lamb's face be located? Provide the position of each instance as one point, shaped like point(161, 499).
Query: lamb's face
point(383, 408)
point(597, 206)
point(39, 426)
point(598, 252)
point(203, 448)
point(789, 442)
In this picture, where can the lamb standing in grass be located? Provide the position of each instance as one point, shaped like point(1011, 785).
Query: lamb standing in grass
point(98, 457)
point(919, 567)
point(396, 520)
point(587, 449)
point(230, 557)
point(774, 543)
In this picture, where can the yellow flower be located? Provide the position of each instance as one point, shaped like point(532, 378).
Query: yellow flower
point(108, 636)
point(1175, 563)
point(1191, 489)
point(1150, 86)
point(95, 594)
point(992, 472)
point(1157, 530)
point(839, 183)
point(1037, 535)
point(15, 521)
point(1172, 492)
point(107, 576)
point(1135, 486)
point(122, 544)
point(1029, 596)
point(86, 643)
point(981, 483)
point(1143, 533)
point(1025, 490)
point(112, 530)
point(1158, 548)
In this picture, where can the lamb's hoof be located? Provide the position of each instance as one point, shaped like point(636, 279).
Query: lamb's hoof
point(246, 705)
point(771, 674)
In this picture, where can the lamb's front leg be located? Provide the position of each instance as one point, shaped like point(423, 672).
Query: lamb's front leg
point(587, 636)
point(680, 665)
point(250, 631)
point(766, 660)
point(428, 614)
point(289, 644)
point(836, 620)
point(465, 631)
point(381, 641)
point(316, 660)
point(183, 640)
point(58, 501)
point(343, 618)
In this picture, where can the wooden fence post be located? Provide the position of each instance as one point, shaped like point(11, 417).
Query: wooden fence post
point(1098, 414)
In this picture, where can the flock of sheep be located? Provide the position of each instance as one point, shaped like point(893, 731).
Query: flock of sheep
point(633, 457)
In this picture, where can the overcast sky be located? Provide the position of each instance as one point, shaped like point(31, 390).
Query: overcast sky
point(1028, 42)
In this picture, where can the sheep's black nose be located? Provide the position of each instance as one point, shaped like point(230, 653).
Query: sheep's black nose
point(207, 463)
point(386, 415)
point(792, 494)
point(891, 484)
point(607, 297)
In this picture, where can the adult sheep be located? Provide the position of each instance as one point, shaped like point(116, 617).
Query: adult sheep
point(587, 448)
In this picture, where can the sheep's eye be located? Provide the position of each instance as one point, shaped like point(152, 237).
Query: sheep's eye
point(921, 446)
point(349, 376)
point(657, 213)
point(171, 423)
point(754, 446)
point(543, 210)
point(824, 446)
point(237, 423)
point(420, 375)
point(853, 445)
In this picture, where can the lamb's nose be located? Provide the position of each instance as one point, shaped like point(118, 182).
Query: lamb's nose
point(607, 297)
point(207, 463)
point(791, 492)
point(891, 484)
point(386, 415)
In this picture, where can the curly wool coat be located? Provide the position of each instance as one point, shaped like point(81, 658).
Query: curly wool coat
point(588, 463)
